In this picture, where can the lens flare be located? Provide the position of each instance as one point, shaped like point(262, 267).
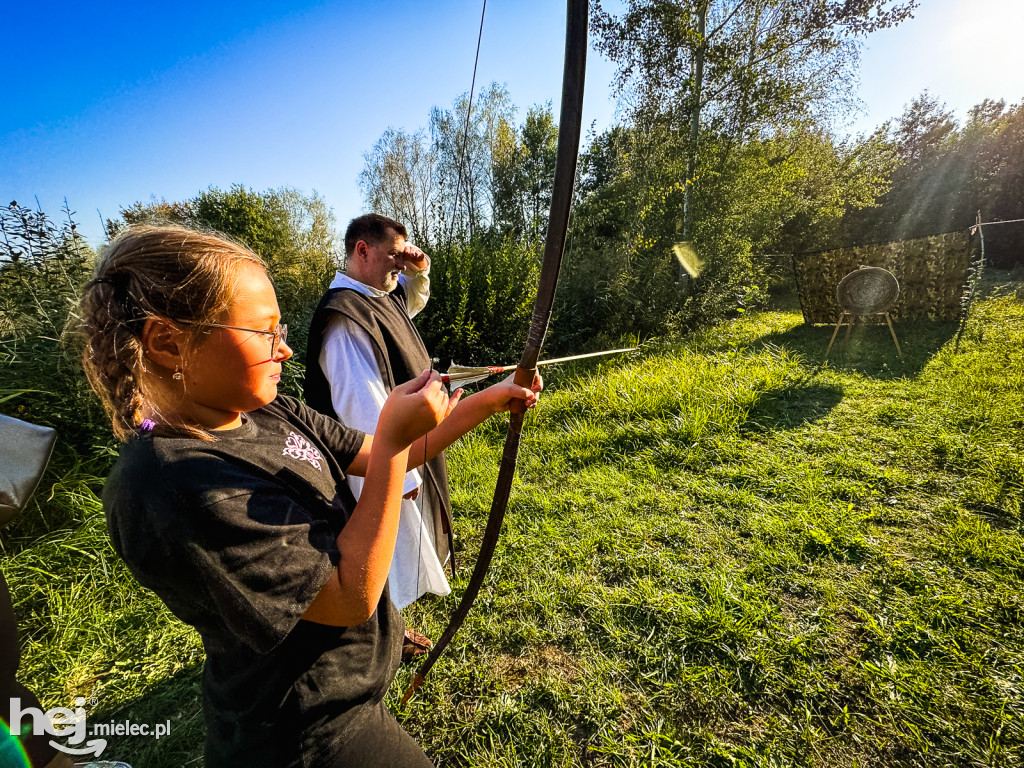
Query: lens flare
point(688, 258)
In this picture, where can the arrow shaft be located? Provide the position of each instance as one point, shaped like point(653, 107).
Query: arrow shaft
point(490, 370)
point(580, 357)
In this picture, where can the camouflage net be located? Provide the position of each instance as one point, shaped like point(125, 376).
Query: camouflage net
point(932, 273)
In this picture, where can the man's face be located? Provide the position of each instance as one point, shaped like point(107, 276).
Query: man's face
point(384, 262)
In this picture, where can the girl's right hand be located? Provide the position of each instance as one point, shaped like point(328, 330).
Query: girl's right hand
point(414, 408)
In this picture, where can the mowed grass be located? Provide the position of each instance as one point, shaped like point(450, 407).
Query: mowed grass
point(718, 552)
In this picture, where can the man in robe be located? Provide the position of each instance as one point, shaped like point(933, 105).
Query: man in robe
point(362, 343)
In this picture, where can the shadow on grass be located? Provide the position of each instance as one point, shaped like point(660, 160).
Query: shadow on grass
point(869, 350)
point(792, 406)
point(175, 701)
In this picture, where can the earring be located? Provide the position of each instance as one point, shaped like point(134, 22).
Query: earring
point(177, 375)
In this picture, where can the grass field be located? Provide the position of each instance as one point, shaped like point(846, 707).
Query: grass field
point(718, 553)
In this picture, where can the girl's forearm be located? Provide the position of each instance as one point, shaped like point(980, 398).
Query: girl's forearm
point(368, 539)
point(367, 542)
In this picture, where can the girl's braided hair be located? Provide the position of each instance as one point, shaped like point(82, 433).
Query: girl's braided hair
point(150, 271)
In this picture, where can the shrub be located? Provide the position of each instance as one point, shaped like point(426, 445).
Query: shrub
point(481, 302)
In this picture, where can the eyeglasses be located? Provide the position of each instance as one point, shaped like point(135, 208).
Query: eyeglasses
point(278, 336)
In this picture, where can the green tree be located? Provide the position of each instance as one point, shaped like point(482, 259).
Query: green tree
point(509, 159)
point(923, 137)
point(540, 144)
point(734, 68)
point(818, 180)
point(769, 195)
point(463, 143)
point(477, 172)
point(523, 172)
point(946, 172)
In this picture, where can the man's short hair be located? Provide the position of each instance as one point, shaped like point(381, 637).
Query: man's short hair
point(372, 228)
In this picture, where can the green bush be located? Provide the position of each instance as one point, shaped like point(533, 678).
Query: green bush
point(481, 302)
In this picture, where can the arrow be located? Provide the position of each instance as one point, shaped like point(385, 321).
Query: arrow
point(460, 375)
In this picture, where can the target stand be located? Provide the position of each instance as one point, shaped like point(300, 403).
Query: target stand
point(866, 291)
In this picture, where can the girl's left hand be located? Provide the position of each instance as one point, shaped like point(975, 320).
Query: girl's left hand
point(500, 396)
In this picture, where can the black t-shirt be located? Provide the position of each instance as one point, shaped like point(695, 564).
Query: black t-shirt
point(237, 536)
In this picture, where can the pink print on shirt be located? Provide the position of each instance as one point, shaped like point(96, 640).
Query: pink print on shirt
point(299, 448)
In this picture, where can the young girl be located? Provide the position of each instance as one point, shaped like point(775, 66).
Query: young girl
point(230, 503)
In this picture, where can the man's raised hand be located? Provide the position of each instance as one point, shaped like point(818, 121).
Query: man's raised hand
point(415, 259)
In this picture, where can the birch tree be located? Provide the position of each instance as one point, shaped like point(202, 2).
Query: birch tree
point(399, 180)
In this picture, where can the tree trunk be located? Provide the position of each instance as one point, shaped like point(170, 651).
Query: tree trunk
point(691, 148)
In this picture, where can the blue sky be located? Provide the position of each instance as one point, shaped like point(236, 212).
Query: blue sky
point(109, 103)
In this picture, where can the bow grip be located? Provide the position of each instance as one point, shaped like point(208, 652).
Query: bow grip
point(524, 378)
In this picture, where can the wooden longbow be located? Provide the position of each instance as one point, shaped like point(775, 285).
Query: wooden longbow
point(569, 127)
